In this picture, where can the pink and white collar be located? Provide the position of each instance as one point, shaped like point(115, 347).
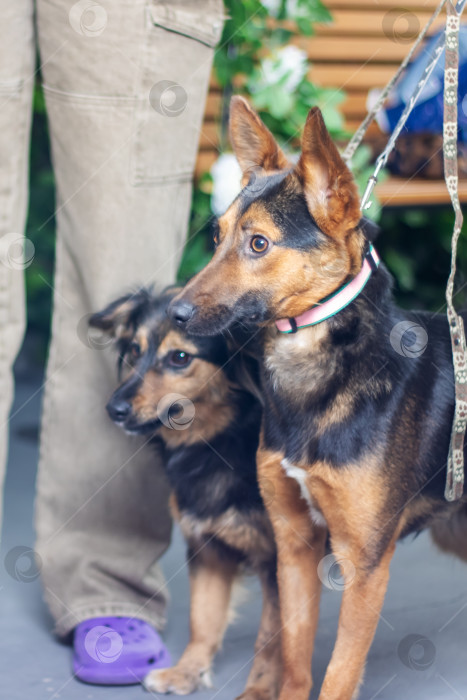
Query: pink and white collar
point(336, 302)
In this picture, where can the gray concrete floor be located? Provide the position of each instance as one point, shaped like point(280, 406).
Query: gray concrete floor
point(426, 601)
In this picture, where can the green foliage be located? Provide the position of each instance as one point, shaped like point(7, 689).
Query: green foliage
point(249, 55)
point(40, 227)
point(250, 46)
point(416, 246)
point(250, 29)
point(415, 243)
point(199, 247)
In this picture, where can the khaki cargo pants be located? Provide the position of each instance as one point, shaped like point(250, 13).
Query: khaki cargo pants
point(125, 84)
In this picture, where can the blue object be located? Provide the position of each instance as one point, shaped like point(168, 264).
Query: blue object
point(427, 114)
point(117, 651)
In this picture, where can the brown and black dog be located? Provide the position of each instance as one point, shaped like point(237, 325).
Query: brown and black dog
point(355, 433)
point(194, 397)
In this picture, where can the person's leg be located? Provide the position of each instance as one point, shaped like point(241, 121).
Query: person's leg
point(125, 85)
point(17, 58)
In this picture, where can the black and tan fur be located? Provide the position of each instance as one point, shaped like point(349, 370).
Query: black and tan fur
point(209, 445)
point(355, 435)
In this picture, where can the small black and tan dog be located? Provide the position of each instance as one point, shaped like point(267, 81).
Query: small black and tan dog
point(359, 395)
point(193, 396)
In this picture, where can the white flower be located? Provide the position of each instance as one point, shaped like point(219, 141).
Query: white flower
point(292, 7)
point(289, 62)
point(272, 6)
point(226, 176)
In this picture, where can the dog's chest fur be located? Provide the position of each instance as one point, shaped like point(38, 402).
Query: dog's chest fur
point(300, 474)
point(247, 533)
point(294, 361)
point(216, 497)
point(344, 407)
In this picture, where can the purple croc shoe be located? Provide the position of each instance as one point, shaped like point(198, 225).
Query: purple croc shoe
point(117, 651)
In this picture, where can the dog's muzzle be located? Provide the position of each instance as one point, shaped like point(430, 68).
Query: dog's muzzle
point(181, 312)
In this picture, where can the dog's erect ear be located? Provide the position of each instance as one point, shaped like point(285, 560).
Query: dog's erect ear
point(254, 145)
point(119, 318)
point(329, 187)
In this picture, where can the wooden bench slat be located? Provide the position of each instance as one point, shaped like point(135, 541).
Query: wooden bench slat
point(355, 53)
point(354, 104)
point(350, 49)
point(353, 107)
point(399, 192)
point(383, 5)
point(204, 161)
point(351, 76)
point(213, 105)
point(376, 23)
point(373, 130)
point(209, 136)
point(392, 193)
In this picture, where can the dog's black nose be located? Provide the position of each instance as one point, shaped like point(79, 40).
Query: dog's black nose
point(181, 312)
point(118, 410)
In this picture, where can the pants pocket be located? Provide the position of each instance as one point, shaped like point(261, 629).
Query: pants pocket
point(174, 77)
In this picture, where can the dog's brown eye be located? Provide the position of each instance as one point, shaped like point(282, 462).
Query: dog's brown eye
point(179, 358)
point(258, 244)
point(135, 351)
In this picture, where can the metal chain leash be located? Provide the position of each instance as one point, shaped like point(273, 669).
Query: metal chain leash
point(455, 468)
point(355, 141)
point(383, 157)
point(455, 464)
point(357, 138)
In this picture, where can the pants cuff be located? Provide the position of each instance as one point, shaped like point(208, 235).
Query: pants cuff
point(68, 622)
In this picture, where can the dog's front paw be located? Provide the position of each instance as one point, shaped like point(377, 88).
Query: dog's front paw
point(258, 694)
point(180, 680)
